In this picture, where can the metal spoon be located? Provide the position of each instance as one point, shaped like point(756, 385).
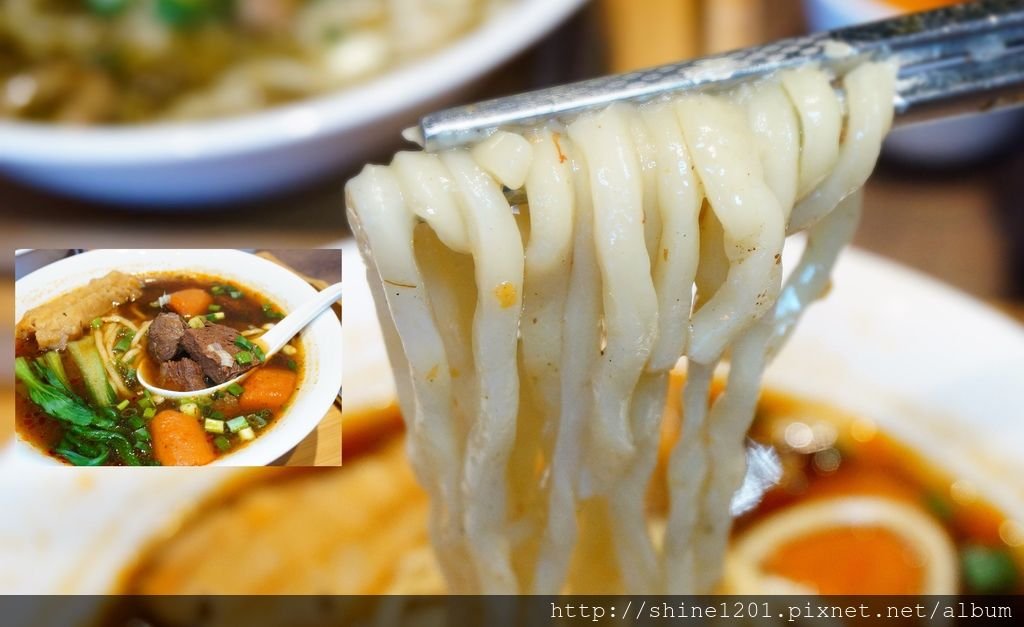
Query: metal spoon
point(271, 341)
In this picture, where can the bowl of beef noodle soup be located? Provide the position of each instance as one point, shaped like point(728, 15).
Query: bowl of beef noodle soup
point(187, 320)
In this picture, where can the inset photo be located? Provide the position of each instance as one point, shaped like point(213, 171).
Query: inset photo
point(177, 357)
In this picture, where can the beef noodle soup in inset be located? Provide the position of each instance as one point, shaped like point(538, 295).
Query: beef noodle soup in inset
point(78, 396)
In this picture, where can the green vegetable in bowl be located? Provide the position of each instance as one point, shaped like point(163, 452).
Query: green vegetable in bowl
point(46, 389)
point(88, 360)
point(90, 433)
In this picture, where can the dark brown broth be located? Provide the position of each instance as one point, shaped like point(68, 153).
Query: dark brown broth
point(241, 314)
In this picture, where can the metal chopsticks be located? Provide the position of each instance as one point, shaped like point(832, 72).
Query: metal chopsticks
point(958, 59)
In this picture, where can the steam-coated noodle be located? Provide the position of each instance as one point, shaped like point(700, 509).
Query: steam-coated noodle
point(532, 345)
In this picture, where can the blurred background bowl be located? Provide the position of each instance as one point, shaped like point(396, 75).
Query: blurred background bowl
point(945, 143)
point(253, 155)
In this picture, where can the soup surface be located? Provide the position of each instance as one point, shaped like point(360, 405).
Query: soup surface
point(78, 396)
point(369, 518)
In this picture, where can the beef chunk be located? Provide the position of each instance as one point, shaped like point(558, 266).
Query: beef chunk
point(183, 375)
point(165, 336)
point(213, 346)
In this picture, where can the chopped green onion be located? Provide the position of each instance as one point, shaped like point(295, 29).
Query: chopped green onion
point(246, 434)
point(136, 423)
point(235, 294)
point(223, 444)
point(258, 353)
point(243, 342)
point(123, 345)
point(216, 415)
point(122, 404)
point(988, 570)
point(292, 365)
point(237, 424)
point(257, 421)
point(96, 323)
point(189, 409)
point(196, 322)
point(141, 433)
point(270, 312)
point(214, 308)
point(213, 426)
point(217, 290)
point(243, 358)
point(235, 389)
point(215, 316)
point(146, 403)
point(149, 413)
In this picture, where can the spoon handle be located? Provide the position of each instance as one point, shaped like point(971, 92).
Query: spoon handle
point(294, 322)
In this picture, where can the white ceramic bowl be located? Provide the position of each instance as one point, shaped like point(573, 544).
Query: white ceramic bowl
point(938, 143)
point(256, 154)
point(321, 340)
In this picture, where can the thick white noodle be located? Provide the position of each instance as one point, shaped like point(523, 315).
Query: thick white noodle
point(777, 133)
point(532, 350)
point(581, 342)
point(498, 257)
point(718, 137)
point(821, 121)
point(381, 222)
point(427, 189)
point(687, 470)
point(869, 90)
point(679, 196)
point(548, 257)
point(629, 299)
point(505, 156)
point(809, 279)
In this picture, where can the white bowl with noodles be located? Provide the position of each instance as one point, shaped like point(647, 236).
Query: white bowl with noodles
point(321, 373)
point(214, 161)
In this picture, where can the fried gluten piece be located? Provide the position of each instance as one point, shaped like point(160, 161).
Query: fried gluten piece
point(64, 317)
point(358, 529)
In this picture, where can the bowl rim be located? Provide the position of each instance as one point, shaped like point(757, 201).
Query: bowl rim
point(321, 375)
point(508, 30)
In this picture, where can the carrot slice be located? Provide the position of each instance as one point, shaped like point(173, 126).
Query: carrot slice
point(178, 440)
point(267, 388)
point(190, 302)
